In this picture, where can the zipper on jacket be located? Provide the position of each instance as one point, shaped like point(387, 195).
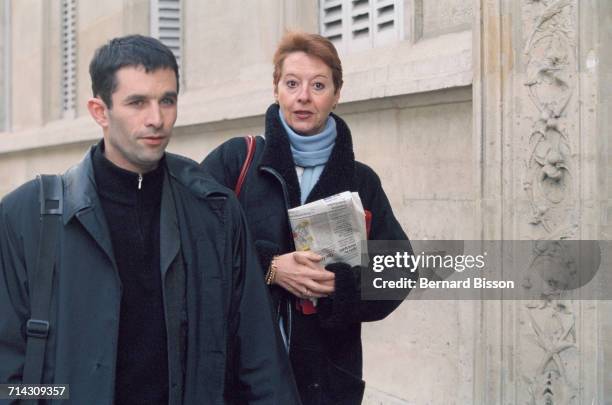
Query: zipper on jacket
point(286, 199)
point(139, 181)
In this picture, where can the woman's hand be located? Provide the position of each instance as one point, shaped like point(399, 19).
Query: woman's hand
point(302, 275)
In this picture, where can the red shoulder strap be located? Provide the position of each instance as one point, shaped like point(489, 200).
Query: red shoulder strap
point(250, 145)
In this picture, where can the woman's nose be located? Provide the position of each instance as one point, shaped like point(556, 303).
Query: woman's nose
point(304, 93)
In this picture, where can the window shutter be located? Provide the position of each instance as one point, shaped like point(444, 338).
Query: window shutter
point(360, 25)
point(69, 54)
point(331, 15)
point(354, 25)
point(166, 24)
point(385, 24)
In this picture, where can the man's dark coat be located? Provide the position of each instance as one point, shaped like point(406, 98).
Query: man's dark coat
point(222, 343)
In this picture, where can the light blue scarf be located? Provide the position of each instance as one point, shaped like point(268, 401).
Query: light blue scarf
point(311, 152)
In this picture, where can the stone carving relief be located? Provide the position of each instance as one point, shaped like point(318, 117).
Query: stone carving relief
point(553, 327)
point(550, 76)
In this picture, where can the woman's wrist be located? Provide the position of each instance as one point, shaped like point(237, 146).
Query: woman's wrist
point(271, 274)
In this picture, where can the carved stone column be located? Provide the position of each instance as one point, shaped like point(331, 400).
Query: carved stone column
point(538, 133)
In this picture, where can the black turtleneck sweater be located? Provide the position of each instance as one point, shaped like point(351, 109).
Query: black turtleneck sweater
point(131, 205)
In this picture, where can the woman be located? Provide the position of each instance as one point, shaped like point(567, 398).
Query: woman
point(307, 155)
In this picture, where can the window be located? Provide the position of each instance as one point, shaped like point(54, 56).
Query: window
point(166, 24)
point(354, 25)
point(69, 50)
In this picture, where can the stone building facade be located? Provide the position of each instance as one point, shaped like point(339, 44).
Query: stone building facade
point(485, 119)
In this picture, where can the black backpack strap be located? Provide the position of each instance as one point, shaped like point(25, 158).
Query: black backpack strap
point(41, 284)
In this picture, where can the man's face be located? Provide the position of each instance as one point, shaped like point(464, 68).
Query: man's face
point(140, 122)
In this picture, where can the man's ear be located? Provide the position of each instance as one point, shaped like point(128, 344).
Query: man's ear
point(98, 111)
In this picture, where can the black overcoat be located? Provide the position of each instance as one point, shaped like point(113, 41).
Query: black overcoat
point(325, 349)
point(222, 344)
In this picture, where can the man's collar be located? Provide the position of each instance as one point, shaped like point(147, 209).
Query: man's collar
point(80, 190)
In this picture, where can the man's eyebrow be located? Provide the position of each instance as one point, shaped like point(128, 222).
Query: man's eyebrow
point(137, 97)
point(172, 94)
point(134, 97)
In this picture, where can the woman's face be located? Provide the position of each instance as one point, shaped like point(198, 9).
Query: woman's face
point(305, 93)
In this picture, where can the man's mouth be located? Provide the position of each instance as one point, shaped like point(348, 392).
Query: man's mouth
point(153, 140)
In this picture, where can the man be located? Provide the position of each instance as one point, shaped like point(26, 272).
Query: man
point(157, 296)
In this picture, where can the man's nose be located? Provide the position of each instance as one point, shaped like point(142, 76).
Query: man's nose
point(154, 116)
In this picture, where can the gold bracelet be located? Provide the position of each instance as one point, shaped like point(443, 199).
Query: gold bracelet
point(271, 271)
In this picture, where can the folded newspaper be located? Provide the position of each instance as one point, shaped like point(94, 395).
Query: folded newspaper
point(332, 227)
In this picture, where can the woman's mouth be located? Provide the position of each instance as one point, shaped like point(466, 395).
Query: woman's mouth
point(303, 115)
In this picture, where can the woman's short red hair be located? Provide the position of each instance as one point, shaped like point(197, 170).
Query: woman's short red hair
point(313, 45)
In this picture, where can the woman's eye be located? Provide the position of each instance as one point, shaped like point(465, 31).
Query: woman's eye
point(319, 86)
point(292, 84)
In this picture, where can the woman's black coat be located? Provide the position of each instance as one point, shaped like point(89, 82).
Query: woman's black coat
point(325, 348)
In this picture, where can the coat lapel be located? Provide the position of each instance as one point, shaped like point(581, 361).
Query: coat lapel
point(277, 154)
point(169, 230)
point(81, 201)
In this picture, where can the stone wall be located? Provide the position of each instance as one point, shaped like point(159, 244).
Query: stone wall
point(440, 17)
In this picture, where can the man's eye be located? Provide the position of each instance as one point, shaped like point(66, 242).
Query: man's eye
point(319, 86)
point(137, 103)
point(168, 101)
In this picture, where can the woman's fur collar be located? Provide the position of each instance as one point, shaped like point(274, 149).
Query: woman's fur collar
point(337, 176)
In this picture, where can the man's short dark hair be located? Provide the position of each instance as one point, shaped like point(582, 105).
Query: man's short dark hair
point(131, 50)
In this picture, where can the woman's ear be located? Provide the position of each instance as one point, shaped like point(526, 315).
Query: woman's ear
point(336, 98)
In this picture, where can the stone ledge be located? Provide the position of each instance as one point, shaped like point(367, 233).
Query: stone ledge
point(438, 63)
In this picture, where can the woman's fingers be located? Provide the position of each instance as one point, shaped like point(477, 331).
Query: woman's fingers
point(301, 274)
point(331, 282)
point(307, 258)
point(304, 286)
point(321, 275)
point(293, 290)
point(321, 289)
point(302, 291)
